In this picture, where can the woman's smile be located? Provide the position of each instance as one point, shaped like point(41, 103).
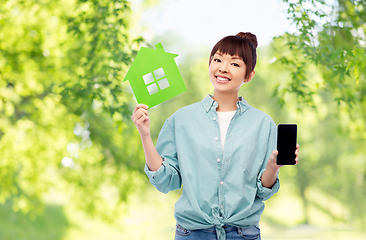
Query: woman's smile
point(227, 72)
point(223, 80)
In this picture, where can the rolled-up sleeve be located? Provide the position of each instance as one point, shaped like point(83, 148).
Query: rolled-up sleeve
point(264, 193)
point(167, 177)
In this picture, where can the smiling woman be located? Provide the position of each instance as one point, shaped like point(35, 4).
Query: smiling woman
point(226, 177)
point(242, 47)
point(225, 68)
point(233, 59)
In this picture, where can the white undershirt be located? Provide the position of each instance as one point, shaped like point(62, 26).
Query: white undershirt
point(224, 121)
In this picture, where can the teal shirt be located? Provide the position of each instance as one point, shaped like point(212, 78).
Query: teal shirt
point(219, 186)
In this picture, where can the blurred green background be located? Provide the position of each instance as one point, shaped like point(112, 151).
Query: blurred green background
point(71, 161)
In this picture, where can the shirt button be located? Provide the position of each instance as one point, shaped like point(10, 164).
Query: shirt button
point(222, 183)
point(214, 118)
point(218, 160)
point(222, 207)
point(207, 108)
point(216, 138)
point(214, 103)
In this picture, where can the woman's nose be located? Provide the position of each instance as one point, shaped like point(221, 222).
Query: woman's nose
point(223, 70)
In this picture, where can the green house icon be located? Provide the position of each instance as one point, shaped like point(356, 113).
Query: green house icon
point(154, 76)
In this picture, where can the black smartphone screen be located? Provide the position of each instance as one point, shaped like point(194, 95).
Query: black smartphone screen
point(286, 144)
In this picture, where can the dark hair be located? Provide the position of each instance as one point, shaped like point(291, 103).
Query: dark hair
point(243, 45)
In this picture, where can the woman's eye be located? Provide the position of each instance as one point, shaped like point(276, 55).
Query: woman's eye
point(236, 65)
point(217, 60)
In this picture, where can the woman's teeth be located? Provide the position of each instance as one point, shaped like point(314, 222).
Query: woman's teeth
point(222, 79)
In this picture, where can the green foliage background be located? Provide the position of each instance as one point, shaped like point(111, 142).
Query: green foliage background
point(61, 95)
point(61, 65)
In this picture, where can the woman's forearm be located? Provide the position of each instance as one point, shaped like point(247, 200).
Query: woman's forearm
point(153, 159)
point(269, 176)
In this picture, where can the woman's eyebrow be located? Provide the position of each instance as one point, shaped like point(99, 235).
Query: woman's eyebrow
point(234, 57)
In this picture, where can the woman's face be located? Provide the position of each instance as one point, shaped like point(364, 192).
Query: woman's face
point(227, 73)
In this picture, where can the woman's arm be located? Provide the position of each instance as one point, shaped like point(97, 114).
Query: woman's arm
point(142, 121)
point(270, 173)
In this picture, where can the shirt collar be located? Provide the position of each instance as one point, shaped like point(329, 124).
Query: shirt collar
point(208, 103)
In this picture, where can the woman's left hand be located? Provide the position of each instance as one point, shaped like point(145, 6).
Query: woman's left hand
point(272, 159)
point(297, 153)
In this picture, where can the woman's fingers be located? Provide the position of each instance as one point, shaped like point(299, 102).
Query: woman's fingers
point(141, 106)
point(138, 113)
point(297, 153)
point(141, 120)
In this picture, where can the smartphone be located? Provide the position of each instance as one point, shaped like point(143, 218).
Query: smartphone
point(286, 144)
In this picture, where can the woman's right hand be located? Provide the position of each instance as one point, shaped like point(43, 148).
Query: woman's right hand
point(141, 119)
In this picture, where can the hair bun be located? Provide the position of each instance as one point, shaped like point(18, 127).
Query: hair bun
point(250, 36)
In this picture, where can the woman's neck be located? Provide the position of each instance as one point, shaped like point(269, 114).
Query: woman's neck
point(226, 102)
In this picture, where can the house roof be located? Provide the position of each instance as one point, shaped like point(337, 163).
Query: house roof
point(146, 57)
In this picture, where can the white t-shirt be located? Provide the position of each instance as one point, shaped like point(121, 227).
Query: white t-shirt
point(224, 121)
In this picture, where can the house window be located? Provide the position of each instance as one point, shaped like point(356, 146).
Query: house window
point(156, 81)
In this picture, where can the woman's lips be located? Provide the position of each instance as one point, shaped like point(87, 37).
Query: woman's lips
point(221, 79)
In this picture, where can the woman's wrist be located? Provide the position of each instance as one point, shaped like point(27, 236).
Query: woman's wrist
point(273, 167)
point(145, 136)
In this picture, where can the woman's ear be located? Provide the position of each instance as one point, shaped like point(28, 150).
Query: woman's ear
point(251, 75)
